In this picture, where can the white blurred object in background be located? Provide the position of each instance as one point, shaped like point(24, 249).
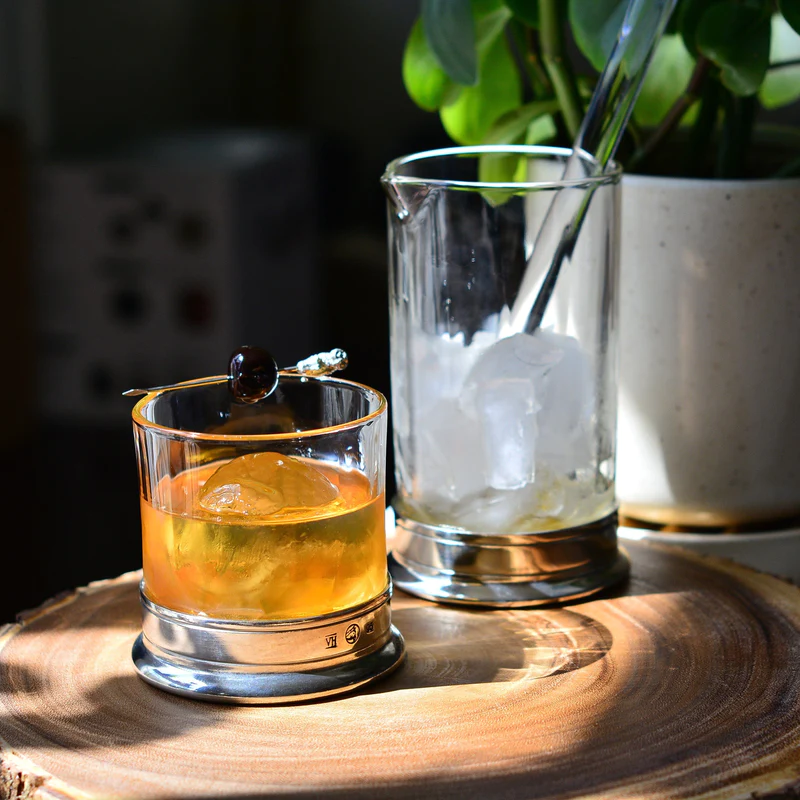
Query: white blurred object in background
point(153, 264)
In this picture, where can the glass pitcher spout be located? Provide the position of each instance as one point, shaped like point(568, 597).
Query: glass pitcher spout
point(405, 199)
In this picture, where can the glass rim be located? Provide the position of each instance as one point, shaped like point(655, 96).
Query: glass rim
point(611, 175)
point(240, 438)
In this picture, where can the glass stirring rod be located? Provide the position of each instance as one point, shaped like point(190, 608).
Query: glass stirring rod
point(599, 135)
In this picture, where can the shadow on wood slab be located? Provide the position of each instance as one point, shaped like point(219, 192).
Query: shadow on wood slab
point(453, 647)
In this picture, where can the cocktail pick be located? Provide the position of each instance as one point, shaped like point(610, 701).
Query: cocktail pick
point(599, 136)
point(253, 373)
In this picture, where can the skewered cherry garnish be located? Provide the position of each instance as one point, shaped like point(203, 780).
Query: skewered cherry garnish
point(253, 373)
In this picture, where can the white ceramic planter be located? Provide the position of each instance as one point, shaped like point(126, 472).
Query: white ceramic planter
point(709, 415)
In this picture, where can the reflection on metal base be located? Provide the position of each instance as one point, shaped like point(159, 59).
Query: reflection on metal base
point(506, 570)
point(244, 661)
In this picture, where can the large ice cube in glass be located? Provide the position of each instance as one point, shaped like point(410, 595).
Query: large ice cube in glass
point(450, 451)
point(502, 395)
point(441, 362)
point(263, 484)
point(567, 406)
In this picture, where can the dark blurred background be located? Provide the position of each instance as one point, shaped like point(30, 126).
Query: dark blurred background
point(177, 177)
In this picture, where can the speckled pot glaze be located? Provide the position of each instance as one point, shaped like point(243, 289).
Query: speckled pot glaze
point(709, 414)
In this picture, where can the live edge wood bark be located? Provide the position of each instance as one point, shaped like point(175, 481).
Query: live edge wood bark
point(683, 684)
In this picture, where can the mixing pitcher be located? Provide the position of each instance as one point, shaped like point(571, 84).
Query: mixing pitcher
point(504, 429)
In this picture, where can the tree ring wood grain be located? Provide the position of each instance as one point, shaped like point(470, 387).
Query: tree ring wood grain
point(685, 684)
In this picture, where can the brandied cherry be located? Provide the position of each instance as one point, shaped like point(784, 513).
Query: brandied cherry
point(253, 374)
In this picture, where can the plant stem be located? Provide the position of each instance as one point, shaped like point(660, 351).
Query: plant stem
point(737, 131)
point(675, 114)
point(535, 59)
point(557, 66)
point(533, 70)
point(703, 128)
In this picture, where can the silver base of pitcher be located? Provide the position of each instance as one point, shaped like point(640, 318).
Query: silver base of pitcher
point(262, 662)
point(449, 565)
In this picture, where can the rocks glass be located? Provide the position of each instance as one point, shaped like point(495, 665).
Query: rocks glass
point(264, 549)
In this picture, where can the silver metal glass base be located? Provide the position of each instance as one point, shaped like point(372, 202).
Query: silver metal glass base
point(506, 570)
point(243, 661)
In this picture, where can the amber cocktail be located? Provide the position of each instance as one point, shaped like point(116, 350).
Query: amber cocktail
point(264, 549)
point(264, 536)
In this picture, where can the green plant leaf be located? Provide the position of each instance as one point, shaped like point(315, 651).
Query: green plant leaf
point(512, 127)
point(450, 30)
point(525, 10)
point(689, 13)
point(499, 90)
point(666, 80)
point(791, 11)
point(494, 168)
point(481, 8)
point(426, 82)
point(595, 25)
point(528, 124)
point(542, 129)
point(490, 26)
point(737, 39)
point(782, 85)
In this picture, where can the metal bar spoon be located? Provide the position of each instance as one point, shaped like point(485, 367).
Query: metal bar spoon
point(253, 373)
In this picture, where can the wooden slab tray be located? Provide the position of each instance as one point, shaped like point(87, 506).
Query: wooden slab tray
point(684, 684)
